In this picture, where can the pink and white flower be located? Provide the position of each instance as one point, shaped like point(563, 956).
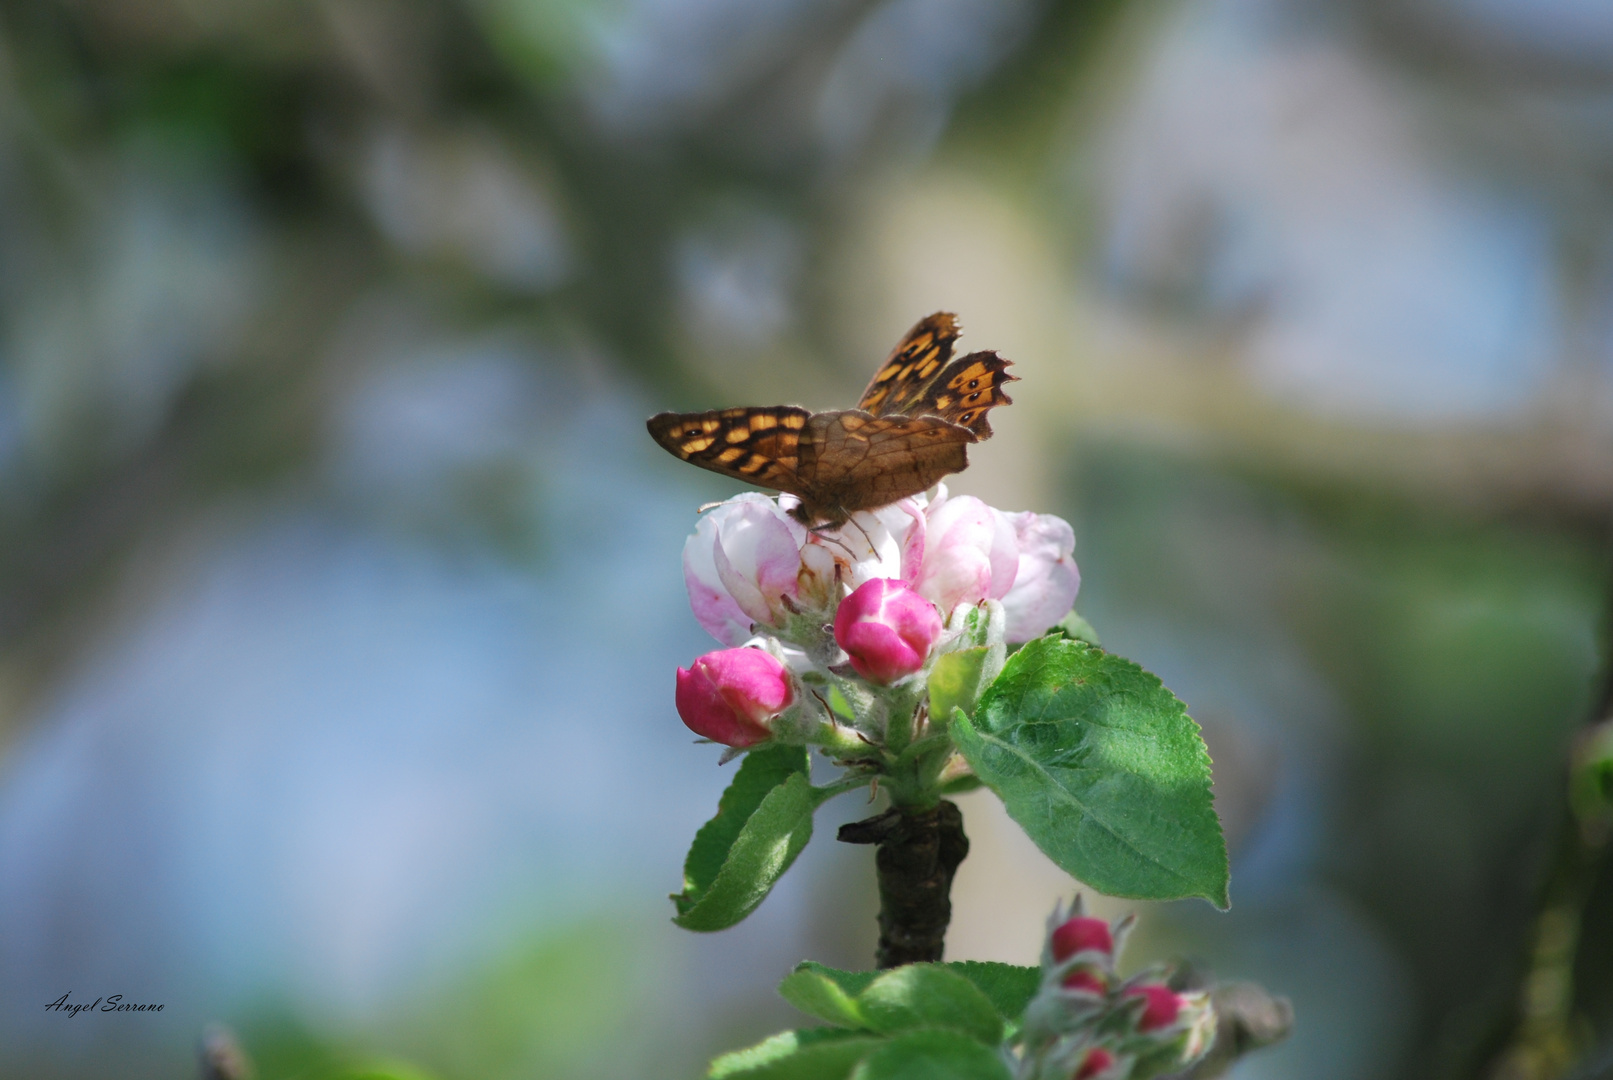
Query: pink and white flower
point(960, 552)
point(750, 565)
point(740, 564)
point(1047, 578)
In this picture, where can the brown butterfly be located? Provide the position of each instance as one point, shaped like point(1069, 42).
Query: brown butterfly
point(910, 429)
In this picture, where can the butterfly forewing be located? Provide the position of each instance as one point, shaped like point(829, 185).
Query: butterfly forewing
point(921, 379)
point(758, 445)
point(901, 380)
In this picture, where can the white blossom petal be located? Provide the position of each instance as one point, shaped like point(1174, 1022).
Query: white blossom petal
point(1047, 581)
point(969, 554)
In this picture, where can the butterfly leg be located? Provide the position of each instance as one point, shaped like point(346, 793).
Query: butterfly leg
point(826, 534)
point(869, 539)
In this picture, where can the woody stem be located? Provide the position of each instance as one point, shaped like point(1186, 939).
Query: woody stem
point(917, 853)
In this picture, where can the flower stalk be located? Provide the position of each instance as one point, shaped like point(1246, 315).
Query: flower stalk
point(917, 853)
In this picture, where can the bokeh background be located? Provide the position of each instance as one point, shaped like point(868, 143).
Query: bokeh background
point(339, 582)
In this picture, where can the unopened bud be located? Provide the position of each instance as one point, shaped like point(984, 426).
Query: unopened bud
point(887, 629)
point(1098, 1064)
point(729, 695)
point(1163, 1005)
point(1086, 980)
point(1080, 934)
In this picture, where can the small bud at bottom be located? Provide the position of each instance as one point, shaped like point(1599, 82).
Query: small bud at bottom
point(1163, 1005)
point(1087, 980)
point(1097, 1060)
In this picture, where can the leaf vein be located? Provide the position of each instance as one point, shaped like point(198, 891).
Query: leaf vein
point(1083, 807)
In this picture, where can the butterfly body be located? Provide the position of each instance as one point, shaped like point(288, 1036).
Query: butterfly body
point(911, 428)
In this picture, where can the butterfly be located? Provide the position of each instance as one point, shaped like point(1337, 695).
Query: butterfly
point(912, 427)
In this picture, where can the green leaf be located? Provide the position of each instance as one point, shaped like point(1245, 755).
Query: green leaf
point(1008, 987)
point(1103, 768)
point(960, 786)
point(929, 996)
point(763, 821)
point(932, 1055)
point(813, 1054)
point(852, 982)
point(957, 679)
point(1073, 626)
point(818, 994)
point(760, 772)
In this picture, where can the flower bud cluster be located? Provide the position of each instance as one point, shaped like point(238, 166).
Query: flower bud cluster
point(1087, 1023)
point(858, 614)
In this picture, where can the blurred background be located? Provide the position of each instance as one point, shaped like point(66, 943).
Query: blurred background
point(340, 590)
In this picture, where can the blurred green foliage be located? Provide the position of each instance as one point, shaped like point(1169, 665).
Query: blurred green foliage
point(554, 1006)
point(1454, 644)
point(1460, 649)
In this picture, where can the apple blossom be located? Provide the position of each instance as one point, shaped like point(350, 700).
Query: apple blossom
point(730, 695)
point(962, 552)
point(751, 566)
point(1046, 580)
point(887, 629)
point(741, 562)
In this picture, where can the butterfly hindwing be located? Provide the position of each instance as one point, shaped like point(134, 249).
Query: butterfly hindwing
point(859, 462)
point(966, 389)
point(761, 446)
point(921, 379)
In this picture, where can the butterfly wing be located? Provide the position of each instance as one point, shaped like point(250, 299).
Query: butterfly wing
point(900, 381)
point(921, 379)
point(858, 461)
point(761, 446)
point(967, 389)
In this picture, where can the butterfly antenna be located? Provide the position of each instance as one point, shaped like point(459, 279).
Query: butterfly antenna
point(709, 506)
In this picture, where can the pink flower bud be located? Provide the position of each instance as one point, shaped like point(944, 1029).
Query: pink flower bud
point(1163, 1005)
point(887, 629)
point(1097, 1060)
point(729, 695)
point(1081, 934)
point(1092, 982)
